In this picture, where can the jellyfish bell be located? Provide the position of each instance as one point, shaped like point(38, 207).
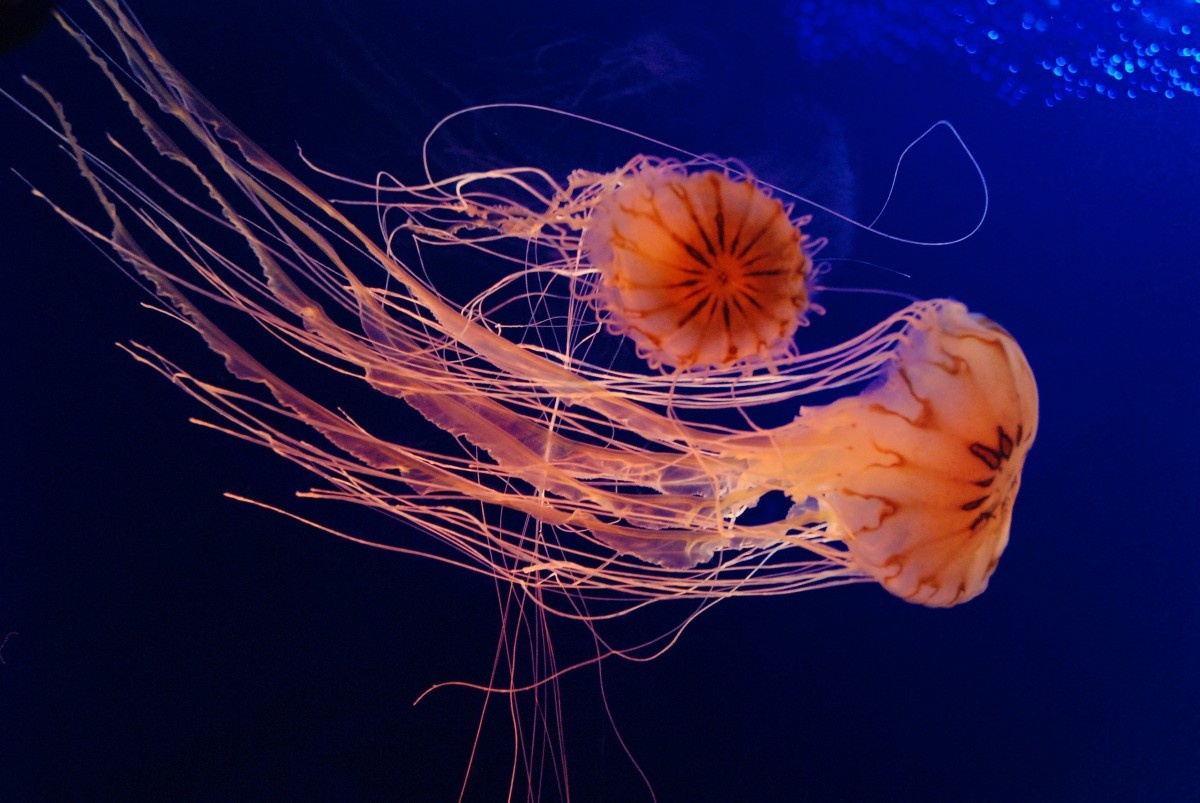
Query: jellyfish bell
point(699, 269)
point(918, 473)
point(951, 422)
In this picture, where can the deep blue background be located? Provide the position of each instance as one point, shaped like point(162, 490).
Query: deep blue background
point(175, 645)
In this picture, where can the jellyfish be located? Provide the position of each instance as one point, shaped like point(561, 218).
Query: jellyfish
point(635, 476)
point(602, 394)
point(698, 269)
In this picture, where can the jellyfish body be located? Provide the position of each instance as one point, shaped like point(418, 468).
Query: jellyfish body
point(699, 270)
point(951, 423)
point(927, 463)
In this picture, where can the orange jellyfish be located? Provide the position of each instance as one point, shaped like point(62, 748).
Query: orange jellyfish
point(699, 270)
point(588, 485)
point(635, 478)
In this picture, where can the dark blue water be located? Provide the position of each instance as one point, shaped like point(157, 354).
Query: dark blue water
point(172, 644)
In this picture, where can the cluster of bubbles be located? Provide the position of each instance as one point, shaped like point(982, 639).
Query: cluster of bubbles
point(1053, 49)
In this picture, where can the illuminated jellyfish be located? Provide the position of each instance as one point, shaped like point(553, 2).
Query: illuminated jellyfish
point(586, 483)
point(698, 269)
point(619, 485)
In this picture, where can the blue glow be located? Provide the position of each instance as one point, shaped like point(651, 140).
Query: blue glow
point(1054, 49)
